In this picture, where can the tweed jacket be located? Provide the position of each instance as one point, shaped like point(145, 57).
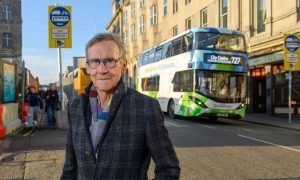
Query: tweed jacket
point(134, 134)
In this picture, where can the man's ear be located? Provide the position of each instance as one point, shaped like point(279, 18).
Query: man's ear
point(124, 66)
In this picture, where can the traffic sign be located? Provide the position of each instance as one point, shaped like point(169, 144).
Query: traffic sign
point(291, 43)
point(291, 52)
point(60, 27)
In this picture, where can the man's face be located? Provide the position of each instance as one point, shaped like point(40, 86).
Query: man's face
point(106, 79)
point(52, 87)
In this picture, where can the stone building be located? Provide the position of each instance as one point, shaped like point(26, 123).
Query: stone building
point(10, 31)
point(143, 24)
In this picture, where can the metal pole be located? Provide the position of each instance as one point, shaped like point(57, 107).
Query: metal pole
point(290, 96)
point(60, 78)
point(22, 90)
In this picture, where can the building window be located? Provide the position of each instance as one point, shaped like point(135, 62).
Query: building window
point(261, 15)
point(224, 13)
point(175, 6)
point(153, 15)
point(187, 2)
point(165, 7)
point(7, 13)
point(188, 23)
point(125, 17)
point(142, 3)
point(7, 40)
point(175, 30)
point(133, 32)
point(142, 24)
point(132, 8)
point(125, 37)
point(204, 18)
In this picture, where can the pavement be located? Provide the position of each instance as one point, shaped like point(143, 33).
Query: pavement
point(275, 121)
point(40, 154)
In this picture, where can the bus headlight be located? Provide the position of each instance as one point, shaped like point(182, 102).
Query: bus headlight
point(197, 101)
point(241, 106)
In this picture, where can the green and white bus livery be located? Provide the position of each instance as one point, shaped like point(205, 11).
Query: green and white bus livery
point(200, 73)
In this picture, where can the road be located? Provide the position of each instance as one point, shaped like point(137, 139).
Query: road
point(230, 149)
point(224, 150)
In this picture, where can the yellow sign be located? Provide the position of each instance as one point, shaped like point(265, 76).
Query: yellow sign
point(60, 26)
point(291, 49)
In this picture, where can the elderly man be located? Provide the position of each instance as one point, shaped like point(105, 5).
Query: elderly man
point(114, 131)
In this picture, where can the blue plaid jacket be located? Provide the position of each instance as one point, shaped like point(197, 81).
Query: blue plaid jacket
point(134, 134)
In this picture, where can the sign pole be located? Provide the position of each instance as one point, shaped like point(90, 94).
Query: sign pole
point(290, 96)
point(291, 62)
point(60, 78)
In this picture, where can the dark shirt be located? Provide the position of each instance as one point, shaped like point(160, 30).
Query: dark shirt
point(34, 99)
point(53, 98)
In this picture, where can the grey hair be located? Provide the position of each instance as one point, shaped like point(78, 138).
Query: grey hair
point(107, 36)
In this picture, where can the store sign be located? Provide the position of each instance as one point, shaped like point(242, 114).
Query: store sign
point(223, 59)
point(291, 52)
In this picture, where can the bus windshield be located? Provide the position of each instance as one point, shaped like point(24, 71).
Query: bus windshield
point(225, 87)
point(224, 42)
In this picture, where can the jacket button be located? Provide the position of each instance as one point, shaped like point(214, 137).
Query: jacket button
point(88, 153)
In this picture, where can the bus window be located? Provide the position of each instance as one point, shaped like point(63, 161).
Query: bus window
point(187, 42)
point(151, 56)
point(141, 59)
point(183, 81)
point(150, 83)
point(217, 41)
point(176, 46)
point(167, 50)
point(145, 59)
point(158, 54)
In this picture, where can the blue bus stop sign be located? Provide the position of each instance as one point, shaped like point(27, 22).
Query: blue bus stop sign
point(60, 16)
point(292, 43)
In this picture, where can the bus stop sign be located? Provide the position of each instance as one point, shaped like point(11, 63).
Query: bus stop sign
point(60, 16)
point(60, 27)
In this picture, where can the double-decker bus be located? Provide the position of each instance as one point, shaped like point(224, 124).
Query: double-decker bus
point(200, 73)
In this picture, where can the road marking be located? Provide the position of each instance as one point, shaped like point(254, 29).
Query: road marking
point(285, 147)
point(174, 124)
point(210, 127)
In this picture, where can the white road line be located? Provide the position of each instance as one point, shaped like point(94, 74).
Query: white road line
point(174, 124)
point(196, 124)
point(206, 126)
point(285, 147)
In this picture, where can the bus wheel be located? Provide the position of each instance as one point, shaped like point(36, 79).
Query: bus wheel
point(171, 109)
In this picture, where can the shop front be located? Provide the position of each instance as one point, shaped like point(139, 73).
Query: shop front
point(268, 86)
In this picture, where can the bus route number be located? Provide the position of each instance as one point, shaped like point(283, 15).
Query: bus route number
point(235, 60)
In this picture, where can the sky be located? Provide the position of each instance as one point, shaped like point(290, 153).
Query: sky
point(88, 18)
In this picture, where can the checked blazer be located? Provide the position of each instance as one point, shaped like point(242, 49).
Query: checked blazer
point(134, 134)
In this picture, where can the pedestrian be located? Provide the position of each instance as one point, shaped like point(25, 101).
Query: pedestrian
point(114, 130)
point(35, 108)
point(51, 104)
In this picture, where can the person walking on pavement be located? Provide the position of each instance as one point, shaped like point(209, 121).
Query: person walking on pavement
point(35, 108)
point(51, 104)
point(114, 130)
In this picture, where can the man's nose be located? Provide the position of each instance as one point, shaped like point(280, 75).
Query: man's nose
point(102, 68)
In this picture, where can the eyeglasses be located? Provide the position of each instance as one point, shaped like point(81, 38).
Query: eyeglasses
point(107, 62)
